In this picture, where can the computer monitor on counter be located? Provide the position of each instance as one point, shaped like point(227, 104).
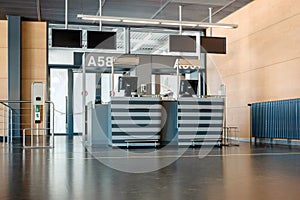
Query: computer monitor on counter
point(188, 88)
point(128, 84)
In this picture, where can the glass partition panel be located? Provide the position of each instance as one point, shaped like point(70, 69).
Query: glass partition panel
point(77, 95)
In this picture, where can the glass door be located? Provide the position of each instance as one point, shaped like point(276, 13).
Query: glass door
point(77, 97)
point(59, 96)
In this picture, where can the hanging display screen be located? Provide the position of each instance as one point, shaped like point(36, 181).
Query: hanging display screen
point(182, 43)
point(213, 45)
point(66, 38)
point(101, 40)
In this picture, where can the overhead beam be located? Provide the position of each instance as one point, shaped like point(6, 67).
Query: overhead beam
point(99, 10)
point(160, 9)
point(103, 3)
point(219, 10)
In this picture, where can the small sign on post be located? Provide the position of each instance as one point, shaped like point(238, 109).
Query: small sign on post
point(37, 115)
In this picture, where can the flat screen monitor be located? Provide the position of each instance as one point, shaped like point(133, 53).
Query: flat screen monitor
point(182, 43)
point(66, 38)
point(128, 84)
point(213, 45)
point(188, 88)
point(101, 40)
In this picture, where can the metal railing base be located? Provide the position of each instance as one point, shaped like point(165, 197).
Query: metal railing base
point(38, 147)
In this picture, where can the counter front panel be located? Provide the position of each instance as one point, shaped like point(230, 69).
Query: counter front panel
point(135, 119)
point(200, 120)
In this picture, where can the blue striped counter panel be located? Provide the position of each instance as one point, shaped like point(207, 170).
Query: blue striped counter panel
point(135, 118)
point(200, 121)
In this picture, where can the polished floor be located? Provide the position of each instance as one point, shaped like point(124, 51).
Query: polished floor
point(70, 171)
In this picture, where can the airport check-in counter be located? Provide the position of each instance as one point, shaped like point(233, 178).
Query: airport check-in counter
point(151, 121)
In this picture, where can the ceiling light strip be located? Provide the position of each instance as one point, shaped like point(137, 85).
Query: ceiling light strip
point(140, 21)
point(156, 21)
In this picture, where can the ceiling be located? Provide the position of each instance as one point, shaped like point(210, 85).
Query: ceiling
point(145, 41)
point(53, 11)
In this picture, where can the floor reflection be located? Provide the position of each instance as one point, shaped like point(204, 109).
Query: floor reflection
point(70, 171)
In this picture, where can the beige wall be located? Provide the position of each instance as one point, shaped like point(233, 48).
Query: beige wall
point(3, 59)
point(34, 63)
point(3, 65)
point(263, 57)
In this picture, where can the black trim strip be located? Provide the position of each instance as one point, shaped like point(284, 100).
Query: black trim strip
point(136, 118)
point(201, 110)
point(134, 110)
point(199, 133)
point(135, 134)
point(200, 103)
point(212, 140)
point(199, 118)
point(200, 125)
point(136, 126)
point(137, 102)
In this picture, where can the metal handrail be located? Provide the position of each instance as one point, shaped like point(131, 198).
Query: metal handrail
point(1, 102)
point(5, 101)
point(9, 134)
point(15, 101)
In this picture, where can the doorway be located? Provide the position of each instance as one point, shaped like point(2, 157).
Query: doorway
point(59, 96)
point(66, 94)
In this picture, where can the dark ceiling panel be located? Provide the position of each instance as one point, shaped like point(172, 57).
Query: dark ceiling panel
point(131, 8)
point(190, 12)
point(15, 7)
point(203, 2)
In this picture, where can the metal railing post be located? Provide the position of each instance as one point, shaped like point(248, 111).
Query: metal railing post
point(53, 125)
point(24, 138)
point(11, 127)
point(4, 132)
point(53, 109)
point(7, 138)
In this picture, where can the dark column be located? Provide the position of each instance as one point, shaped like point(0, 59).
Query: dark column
point(169, 131)
point(14, 69)
point(77, 58)
point(203, 57)
point(70, 103)
point(77, 62)
point(98, 88)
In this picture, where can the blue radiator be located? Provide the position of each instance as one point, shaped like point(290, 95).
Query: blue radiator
point(276, 119)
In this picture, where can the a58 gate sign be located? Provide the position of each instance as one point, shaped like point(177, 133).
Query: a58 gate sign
point(99, 60)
